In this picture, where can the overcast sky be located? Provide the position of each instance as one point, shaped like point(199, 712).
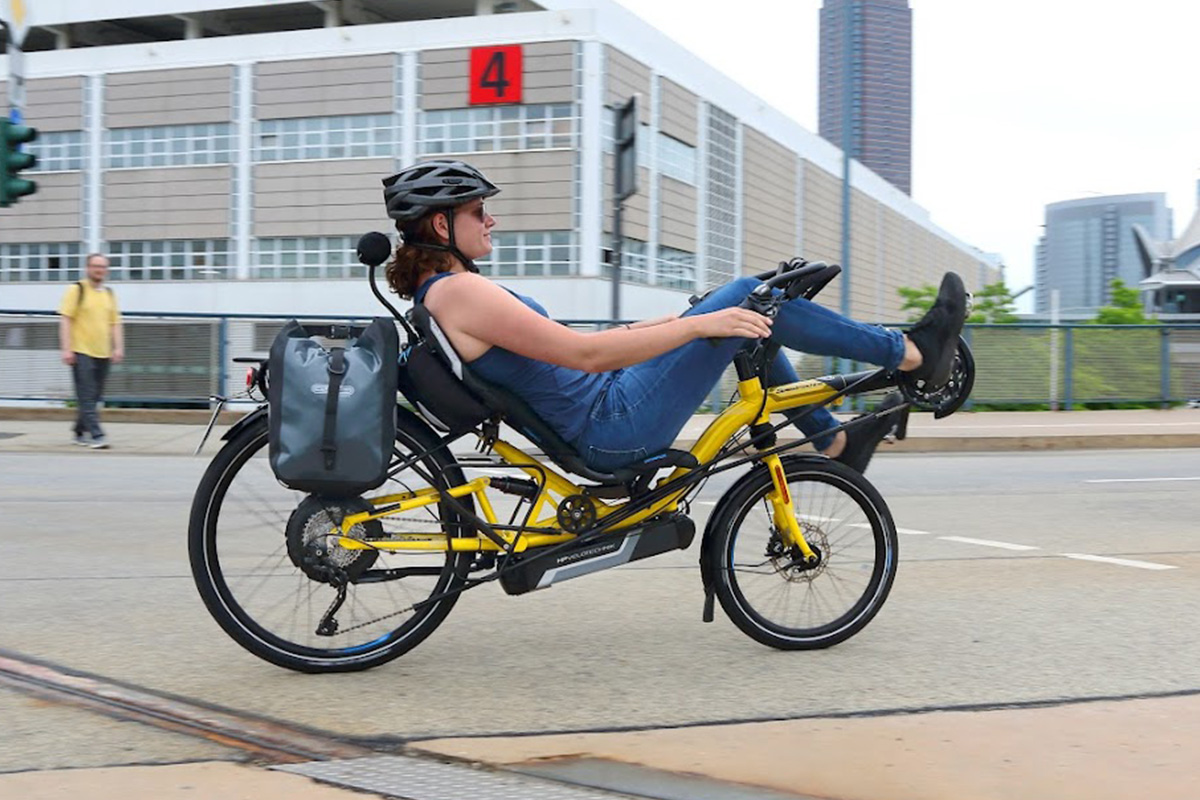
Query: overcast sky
point(1016, 103)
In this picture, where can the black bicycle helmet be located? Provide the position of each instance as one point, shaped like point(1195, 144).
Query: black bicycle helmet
point(442, 186)
point(413, 192)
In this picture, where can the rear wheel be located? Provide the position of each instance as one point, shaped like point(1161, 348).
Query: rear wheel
point(767, 588)
point(269, 573)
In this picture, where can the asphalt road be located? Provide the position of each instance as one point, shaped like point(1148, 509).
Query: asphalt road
point(1023, 578)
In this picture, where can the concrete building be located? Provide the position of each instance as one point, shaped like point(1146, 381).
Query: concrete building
point(228, 154)
point(1089, 242)
point(880, 84)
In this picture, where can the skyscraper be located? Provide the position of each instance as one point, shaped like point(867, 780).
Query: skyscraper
point(880, 84)
point(1089, 242)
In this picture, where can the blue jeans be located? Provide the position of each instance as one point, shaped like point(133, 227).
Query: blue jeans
point(645, 406)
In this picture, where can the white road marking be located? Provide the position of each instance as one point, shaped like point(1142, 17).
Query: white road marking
point(989, 543)
point(1138, 480)
point(955, 428)
point(1122, 562)
point(898, 530)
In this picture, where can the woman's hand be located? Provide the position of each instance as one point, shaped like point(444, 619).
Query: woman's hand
point(733, 322)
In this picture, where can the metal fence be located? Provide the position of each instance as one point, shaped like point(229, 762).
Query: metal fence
point(182, 360)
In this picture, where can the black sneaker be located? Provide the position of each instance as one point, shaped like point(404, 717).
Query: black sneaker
point(861, 440)
point(936, 333)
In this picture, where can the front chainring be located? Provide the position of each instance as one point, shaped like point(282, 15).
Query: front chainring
point(312, 532)
point(946, 399)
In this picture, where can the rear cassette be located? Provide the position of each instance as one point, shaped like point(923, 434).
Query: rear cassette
point(312, 535)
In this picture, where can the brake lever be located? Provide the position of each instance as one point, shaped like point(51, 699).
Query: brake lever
point(762, 301)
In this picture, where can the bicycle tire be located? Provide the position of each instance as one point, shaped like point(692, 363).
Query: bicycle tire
point(834, 504)
point(209, 538)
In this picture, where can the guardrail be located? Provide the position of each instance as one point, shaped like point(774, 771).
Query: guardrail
point(181, 360)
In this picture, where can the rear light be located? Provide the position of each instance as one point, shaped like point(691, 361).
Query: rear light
point(251, 375)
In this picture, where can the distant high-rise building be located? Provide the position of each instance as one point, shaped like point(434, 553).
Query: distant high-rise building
point(880, 84)
point(1089, 242)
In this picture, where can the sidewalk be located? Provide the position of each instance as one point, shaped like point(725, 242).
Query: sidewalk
point(179, 432)
point(1147, 748)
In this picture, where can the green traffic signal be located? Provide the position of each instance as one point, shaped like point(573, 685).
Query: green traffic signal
point(13, 160)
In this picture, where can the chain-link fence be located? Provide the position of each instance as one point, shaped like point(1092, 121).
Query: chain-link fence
point(183, 360)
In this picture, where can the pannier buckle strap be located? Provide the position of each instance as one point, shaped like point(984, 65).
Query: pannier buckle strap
point(337, 368)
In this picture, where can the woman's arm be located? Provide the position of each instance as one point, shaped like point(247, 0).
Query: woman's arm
point(650, 323)
point(476, 314)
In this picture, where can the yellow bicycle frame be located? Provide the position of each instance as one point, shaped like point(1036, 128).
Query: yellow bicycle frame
point(749, 409)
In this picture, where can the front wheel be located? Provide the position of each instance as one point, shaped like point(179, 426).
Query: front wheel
point(767, 588)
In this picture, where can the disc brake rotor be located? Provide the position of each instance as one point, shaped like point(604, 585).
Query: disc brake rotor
point(789, 562)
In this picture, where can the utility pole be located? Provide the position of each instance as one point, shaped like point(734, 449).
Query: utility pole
point(624, 187)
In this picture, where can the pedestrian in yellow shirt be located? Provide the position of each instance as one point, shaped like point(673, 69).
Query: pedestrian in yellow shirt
point(90, 337)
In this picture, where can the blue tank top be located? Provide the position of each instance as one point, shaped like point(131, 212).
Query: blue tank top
point(561, 396)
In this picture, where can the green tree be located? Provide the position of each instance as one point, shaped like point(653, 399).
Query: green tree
point(993, 303)
point(1125, 308)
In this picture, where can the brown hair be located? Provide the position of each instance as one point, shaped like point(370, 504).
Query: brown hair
point(409, 262)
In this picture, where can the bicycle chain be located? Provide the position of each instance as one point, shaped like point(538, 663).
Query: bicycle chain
point(359, 626)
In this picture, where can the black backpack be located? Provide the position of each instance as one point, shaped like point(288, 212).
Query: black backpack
point(332, 410)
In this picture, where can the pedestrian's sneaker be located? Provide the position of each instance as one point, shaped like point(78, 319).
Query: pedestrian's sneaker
point(99, 443)
point(82, 439)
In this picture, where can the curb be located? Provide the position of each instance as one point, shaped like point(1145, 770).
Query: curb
point(163, 416)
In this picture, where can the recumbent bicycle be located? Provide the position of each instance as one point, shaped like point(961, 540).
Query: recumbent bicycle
point(800, 551)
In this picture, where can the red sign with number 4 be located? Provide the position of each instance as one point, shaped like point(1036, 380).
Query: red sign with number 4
point(496, 74)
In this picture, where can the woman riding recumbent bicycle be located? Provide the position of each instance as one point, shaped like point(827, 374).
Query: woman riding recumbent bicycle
point(332, 584)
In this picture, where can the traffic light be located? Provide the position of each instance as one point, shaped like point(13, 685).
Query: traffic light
point(12, 186)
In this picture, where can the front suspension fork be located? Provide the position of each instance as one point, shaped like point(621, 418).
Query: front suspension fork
point(784, 511)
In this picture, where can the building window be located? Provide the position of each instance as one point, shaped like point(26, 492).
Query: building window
point(170, 260)
point(489, 128)
point(676, 159)
point(291, 257)
point(308, 138)
point(608, 128)
point(635, 265)
point(720, 204)
point(532, 253)
point(676, 268)
point(54, 261)
point(57, 151)
point(168, 146)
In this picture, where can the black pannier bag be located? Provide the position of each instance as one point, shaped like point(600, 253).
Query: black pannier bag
point(431, 378)
point(333, 409)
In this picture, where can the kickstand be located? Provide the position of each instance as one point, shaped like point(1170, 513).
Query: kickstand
point(709, 596)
